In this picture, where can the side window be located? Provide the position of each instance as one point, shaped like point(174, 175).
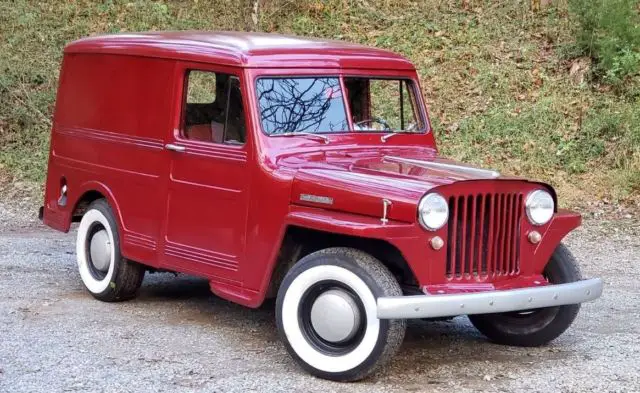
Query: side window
point(410, 119)
point(383, 104)
point(213, 108)
point(391, 99)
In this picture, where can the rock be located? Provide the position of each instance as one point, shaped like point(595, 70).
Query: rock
point(580, 67)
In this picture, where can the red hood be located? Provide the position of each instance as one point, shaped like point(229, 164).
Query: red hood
point(356, 180)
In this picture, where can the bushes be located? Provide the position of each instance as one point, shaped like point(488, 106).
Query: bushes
point(609, 32)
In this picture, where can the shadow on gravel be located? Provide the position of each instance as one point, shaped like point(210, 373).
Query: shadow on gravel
point(428, 344)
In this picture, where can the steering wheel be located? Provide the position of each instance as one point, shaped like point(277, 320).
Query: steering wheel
point(374, 120)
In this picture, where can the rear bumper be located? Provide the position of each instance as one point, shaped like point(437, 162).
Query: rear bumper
point(434, 306)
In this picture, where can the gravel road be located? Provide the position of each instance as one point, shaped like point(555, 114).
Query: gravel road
point(176, 336)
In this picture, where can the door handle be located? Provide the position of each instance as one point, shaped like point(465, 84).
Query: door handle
point(172, 147)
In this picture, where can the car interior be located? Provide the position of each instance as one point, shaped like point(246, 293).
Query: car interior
point(218, 121)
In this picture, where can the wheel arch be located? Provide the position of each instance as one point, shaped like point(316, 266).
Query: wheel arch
point(299, 241)
point(92, 191)
point(83, 202)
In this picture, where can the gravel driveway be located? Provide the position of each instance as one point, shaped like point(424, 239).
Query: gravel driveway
point(177, 336)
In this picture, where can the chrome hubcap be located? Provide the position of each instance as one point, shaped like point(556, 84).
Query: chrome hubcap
point(335, 316)
point(100, 250)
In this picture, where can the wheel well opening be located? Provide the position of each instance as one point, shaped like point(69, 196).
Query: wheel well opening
point(83, 203)
point(299, 242)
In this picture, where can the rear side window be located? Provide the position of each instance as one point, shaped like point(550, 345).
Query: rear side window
point(214, 111)
point(312, 105)
point(202, 87)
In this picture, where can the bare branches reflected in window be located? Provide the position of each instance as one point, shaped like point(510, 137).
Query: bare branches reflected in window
point(312, 105)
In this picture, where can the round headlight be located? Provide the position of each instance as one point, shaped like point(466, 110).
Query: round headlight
point(433, 211)
point(540, 207)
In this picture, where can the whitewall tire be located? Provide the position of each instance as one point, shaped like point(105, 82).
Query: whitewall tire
point(326, 314)
point(104, 272)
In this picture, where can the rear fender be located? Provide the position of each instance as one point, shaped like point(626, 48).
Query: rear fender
point(60, 217)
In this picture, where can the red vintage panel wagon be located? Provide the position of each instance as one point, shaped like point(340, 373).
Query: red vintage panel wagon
point(304, 170)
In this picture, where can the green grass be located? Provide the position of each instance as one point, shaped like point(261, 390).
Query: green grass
point(495, 75)
point(609, 33)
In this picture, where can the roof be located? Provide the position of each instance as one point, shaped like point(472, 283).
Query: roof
point(243, 49)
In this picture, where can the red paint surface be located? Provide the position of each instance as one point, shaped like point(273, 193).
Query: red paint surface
point(221, 211)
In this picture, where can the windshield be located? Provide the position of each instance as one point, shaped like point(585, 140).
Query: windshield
point(317, 105)
point(301, 105)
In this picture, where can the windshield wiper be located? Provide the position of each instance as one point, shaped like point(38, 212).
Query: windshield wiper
point(389, 135)
point(324, 138)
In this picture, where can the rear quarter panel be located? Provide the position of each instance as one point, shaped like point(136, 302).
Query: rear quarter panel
point(112, 116)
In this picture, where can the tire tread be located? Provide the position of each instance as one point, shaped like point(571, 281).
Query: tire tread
point(564, 266)
point(386, 285)
point(128, 275)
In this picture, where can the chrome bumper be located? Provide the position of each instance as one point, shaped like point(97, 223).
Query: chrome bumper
point(434, 306)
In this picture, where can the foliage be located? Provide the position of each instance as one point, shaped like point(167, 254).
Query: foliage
point(609, 32)
point(500, 93)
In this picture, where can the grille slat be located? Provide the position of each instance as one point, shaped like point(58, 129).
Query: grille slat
point(463, 231)
point(481, 261)
point(471, 267)
point(451, 251)
point(484, 235)
point(516, 235)
point(509, 234)
point(490, 230)
point(499, 234)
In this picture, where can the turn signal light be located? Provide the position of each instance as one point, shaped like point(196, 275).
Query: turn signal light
point(437, 243)
point(534, 237)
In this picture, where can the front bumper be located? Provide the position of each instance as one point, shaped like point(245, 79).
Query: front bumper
point(435, 306)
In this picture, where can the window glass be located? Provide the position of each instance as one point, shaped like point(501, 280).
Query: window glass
point(410, 117)
point(311, 105)
point(383, 104)
point(213, 110)
point(235, 130)
point(201, 88)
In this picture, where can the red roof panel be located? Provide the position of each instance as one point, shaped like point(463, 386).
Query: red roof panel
point(243, 49)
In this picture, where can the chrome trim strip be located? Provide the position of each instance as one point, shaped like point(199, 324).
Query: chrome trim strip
point(488, 173)
point(435, 306)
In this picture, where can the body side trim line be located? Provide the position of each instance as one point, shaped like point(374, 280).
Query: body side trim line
point(109, 136)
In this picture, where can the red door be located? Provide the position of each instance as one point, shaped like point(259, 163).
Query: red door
point(208, 188)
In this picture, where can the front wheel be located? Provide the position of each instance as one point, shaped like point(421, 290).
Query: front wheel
point(535, 327)
point(326, 314)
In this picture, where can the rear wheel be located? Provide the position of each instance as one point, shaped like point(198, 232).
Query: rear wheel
point(535, 327)
point(106, 274)
point(326, 314)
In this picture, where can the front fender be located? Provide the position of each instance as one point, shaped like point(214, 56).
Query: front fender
point(346, 223)
point(563, 222)
point(333, 222)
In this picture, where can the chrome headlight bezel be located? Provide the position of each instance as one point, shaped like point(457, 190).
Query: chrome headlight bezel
point(433, 211)
point(539, 207)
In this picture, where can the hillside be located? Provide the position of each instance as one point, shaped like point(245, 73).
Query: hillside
point(502, 87)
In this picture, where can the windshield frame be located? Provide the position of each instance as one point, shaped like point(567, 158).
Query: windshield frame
point(414, 85)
